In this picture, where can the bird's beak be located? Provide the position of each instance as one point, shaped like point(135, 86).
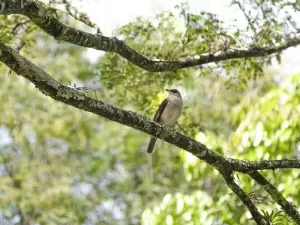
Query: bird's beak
point(168, 90)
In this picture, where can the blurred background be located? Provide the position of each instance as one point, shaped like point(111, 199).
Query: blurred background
point(60, 165)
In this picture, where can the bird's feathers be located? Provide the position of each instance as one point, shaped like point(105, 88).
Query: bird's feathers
point(161, 108)
point(167, 113)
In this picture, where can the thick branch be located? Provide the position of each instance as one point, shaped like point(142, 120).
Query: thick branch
point(257, 217)
point(246, 166)
point(288, 207)
point(42, 18)
point(50, 87)
point(73, 97)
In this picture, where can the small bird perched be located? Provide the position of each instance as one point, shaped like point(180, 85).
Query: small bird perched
point(168, 112)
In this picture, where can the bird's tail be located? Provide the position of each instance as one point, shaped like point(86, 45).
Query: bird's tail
point(150, 169)
point(151, 144)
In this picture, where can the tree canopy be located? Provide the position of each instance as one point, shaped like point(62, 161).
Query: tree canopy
point(232, 158)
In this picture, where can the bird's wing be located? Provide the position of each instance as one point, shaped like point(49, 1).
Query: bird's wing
point(161, 108)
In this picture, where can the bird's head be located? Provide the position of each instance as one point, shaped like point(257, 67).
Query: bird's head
point(174, 92)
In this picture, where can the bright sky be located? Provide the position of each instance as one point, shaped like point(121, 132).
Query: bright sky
point(109, 15)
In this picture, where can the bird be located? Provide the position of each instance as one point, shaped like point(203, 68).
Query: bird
point(168, 113)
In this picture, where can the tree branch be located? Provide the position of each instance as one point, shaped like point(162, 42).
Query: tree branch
point(68, 95)
point(250, 21)
point(288, 207)
point(246, 166)
point(257, 217)
point(50, 87)
point(39, 14)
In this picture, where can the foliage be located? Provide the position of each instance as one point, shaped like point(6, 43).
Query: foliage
point(59, 165)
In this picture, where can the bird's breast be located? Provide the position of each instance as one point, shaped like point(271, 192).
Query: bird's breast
point(171, 112)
